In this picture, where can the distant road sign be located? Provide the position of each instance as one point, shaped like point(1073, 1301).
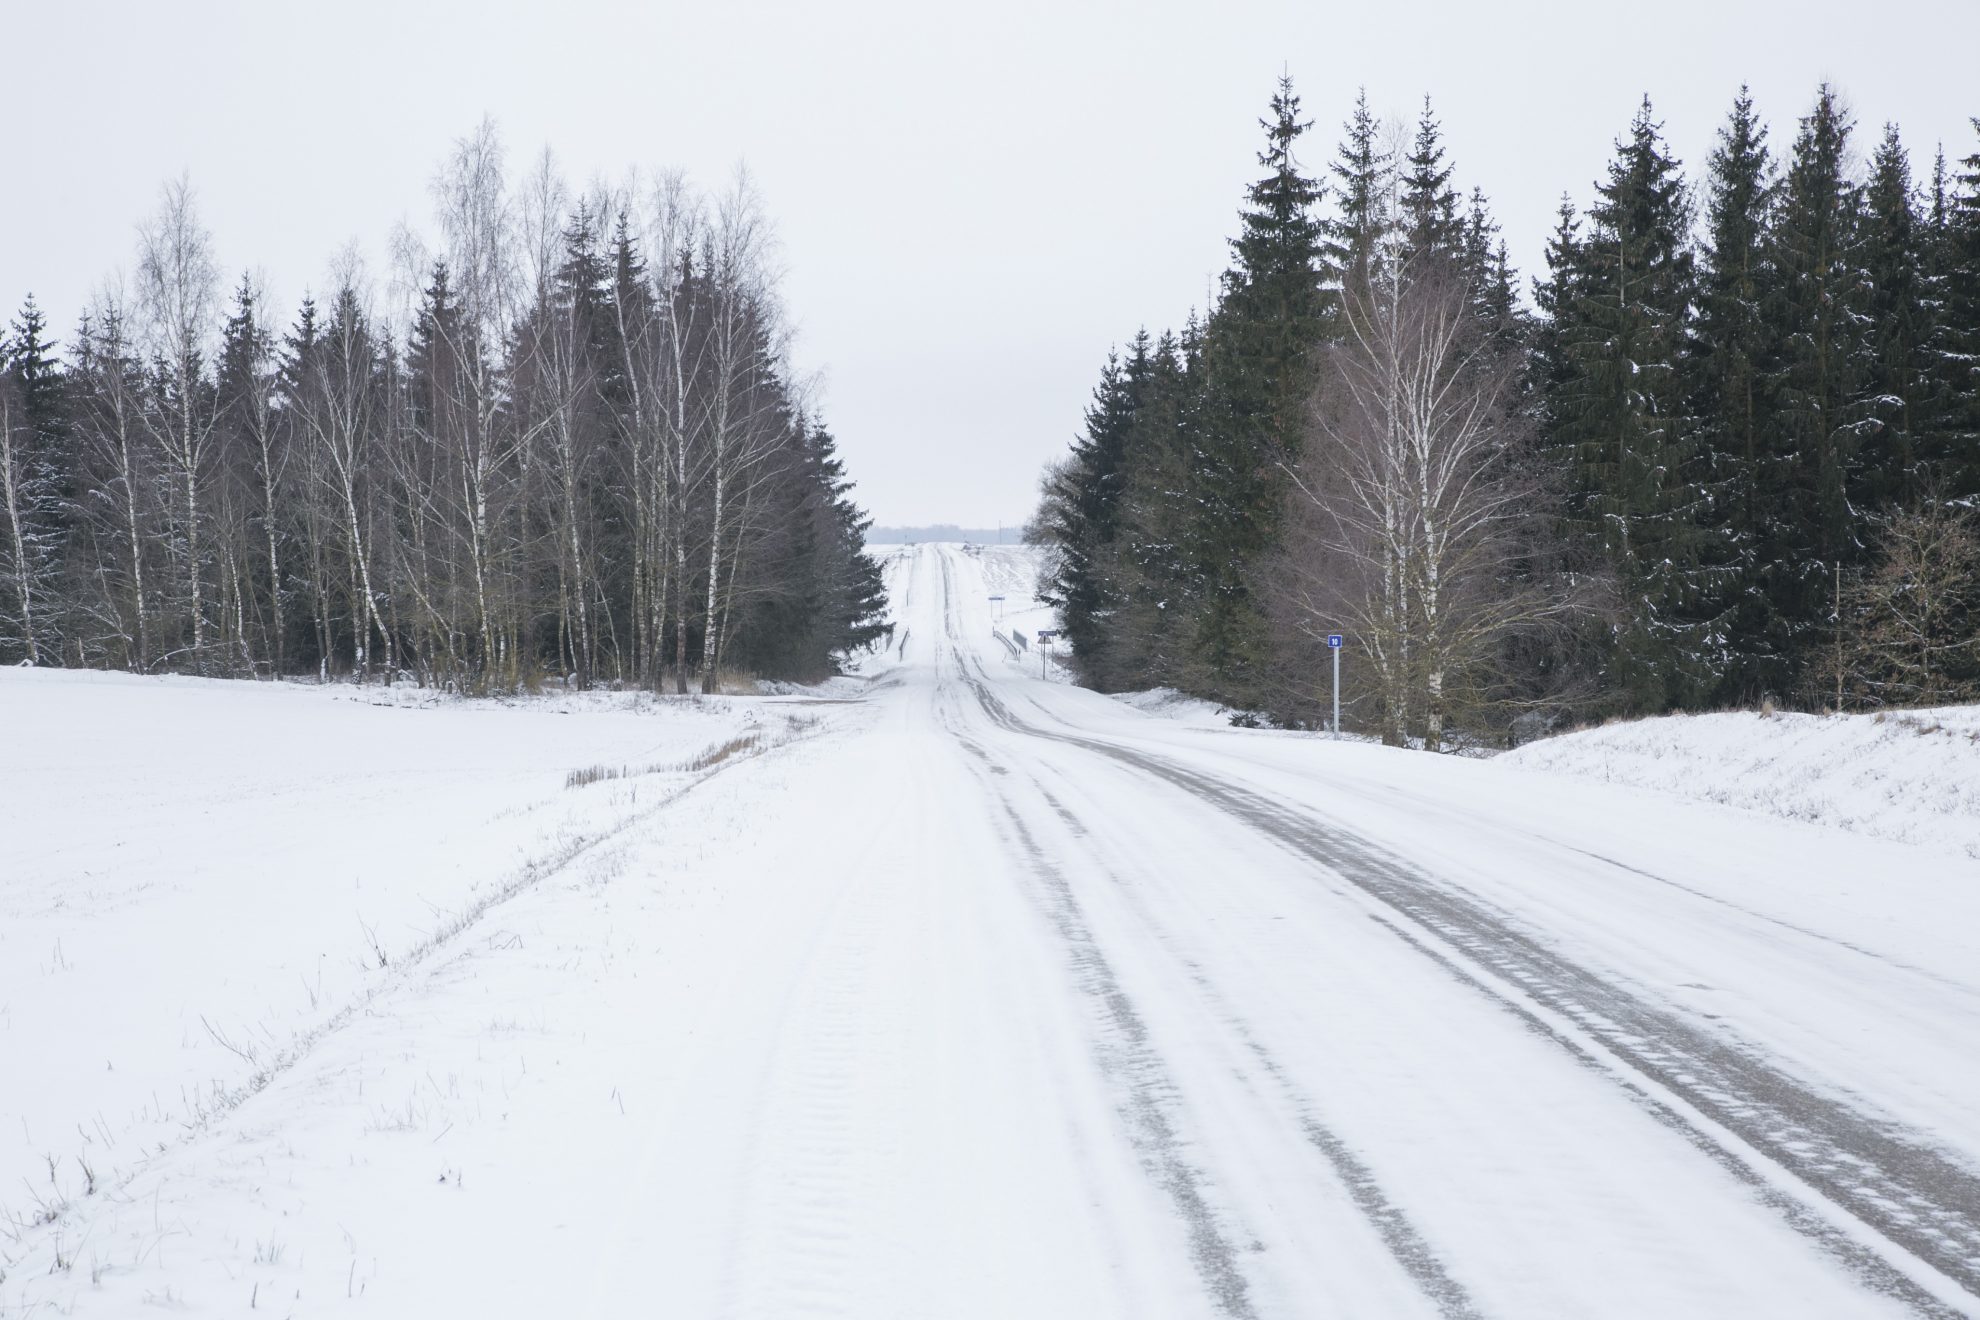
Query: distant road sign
point(1334, 640)
point(1046, 635)
point(996, 598)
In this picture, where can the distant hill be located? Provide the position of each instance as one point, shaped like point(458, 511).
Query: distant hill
point(1011, 535)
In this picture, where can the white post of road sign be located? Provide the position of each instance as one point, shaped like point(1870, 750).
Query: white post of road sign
point(998, 601)
point(1334, 644)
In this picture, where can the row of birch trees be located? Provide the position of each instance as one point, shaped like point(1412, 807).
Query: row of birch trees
point(562, 438)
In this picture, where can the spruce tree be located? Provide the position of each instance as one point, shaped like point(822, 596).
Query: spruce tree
point(1956, 356)
point(38, 375)
point(1636, 488)
point(1726, 365)
point(628, 308)
point(858, 604)
point(32, 517)
point(1430, 219)
point(1274, 309)
point(1259, 351)
point(1936, 267)
point(1817, 308)
point(1150, 579)
point(1489, 274)
point(1082, 512)
point(118, 524)
point(1361, 184)
point(1549, 370)
point(251, 462)
point(1896, 385)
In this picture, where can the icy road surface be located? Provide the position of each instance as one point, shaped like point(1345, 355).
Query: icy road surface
point(984, 996)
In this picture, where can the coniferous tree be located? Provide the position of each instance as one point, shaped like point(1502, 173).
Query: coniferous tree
point(1430, 218)
point(30, 530)
point(1819, 419)
point(1155, 584)
point(251, 466)
point(1956, 351)
point(1258, 353)
point(822, 594)
point(1361, 172)
point(1624, 430)
point(1488, 273)
point(36, 490)
point(1936, 269)
point(38, 375)
point(632, 529)
point(1083, 512)
point(1554, 298)
point(1897, 381)
point(1726, 363)
point(119, 521)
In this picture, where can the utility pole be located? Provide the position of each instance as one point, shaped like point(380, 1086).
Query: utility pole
point(1334, 641)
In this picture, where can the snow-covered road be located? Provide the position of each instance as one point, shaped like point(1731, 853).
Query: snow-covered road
point(994, 997)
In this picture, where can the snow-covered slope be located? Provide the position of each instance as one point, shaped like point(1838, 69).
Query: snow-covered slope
point(1912, 777)
point(1169, 704)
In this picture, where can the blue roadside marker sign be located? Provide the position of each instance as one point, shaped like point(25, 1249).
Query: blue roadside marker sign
point(1334, 640)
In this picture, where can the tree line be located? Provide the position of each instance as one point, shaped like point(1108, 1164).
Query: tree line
point(566, 443)
point(1725, 450)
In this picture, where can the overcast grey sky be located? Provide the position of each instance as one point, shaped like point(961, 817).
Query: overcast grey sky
point(974, 202)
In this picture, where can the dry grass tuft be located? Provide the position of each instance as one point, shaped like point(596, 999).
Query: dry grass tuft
point(707, 759)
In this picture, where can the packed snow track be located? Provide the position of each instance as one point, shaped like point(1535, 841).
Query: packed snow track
point(993, 997)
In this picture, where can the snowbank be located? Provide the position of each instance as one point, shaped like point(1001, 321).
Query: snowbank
point(1911, 777)
point(1169, 704)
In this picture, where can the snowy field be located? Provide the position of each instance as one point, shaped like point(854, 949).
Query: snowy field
point(201, 877)
point(959, 992)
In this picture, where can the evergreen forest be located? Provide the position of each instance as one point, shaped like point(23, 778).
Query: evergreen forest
point(1723, 451)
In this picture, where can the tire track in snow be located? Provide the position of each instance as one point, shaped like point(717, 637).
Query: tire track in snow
point(1885, 959)
point(1130, 1060)
point(1151, 1099)
point(1215, 1260)
point(1404, 1241)
point(1916, 1198)
point(800, 1239)
point(1390, 795)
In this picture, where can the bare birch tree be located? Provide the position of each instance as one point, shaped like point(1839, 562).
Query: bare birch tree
point(178, 291)
point(677, 224)
point(117, 470)
point(23, 500)
point(1413, 509)
point(337, 410)
point(477, 224)
point(743, 352)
